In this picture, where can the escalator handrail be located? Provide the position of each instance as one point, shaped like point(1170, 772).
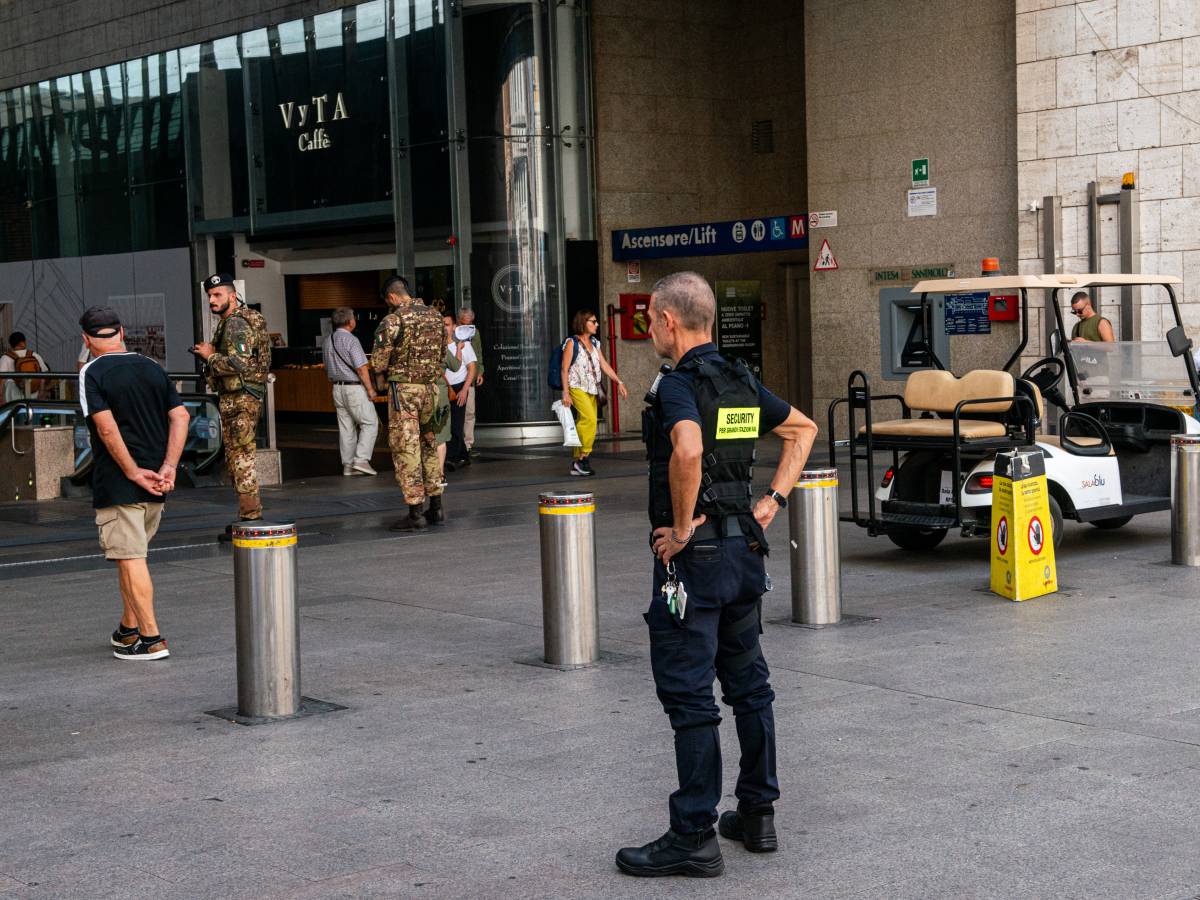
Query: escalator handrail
point(34, 407)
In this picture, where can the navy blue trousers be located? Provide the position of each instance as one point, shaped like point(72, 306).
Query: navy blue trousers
point(718, 638)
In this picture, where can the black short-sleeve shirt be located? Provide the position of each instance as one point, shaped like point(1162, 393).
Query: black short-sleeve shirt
point(678, 398)
point(139, 395)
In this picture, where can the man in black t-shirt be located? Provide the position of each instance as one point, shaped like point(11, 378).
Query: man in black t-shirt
point(138, 426)
point(709, 541)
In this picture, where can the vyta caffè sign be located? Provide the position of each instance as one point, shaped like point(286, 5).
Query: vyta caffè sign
point(310, 120)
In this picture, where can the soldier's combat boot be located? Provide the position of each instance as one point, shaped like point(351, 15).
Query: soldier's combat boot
point(414, 521)
point(249, 508)
point(694, 855)
point(435, 515)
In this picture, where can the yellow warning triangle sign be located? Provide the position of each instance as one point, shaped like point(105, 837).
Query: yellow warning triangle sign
point(825, 261)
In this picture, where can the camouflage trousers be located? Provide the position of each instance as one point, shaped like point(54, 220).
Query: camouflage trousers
point(414, 449)
point(239, 422)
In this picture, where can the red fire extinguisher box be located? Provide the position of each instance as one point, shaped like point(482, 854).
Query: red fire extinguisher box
point(635, 317)
point(1003, 308)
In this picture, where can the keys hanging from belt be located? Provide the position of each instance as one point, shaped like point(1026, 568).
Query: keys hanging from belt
point(675, 594)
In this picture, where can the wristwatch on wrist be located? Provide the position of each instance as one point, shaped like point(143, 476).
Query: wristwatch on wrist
point(779, 499)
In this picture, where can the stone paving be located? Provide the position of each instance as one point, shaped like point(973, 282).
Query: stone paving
point(960, 746)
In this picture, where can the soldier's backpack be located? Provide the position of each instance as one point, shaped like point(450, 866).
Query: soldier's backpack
point(423, 356)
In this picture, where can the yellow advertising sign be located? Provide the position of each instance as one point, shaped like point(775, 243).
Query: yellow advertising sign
point(737, 423)
point(1022, 540)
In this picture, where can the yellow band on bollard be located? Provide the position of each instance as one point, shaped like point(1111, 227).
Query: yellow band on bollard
point(263, 543)
point(827, 482)
point(565, 510)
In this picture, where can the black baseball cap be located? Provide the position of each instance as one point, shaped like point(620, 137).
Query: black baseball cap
point(220, 278)
point(100, 322)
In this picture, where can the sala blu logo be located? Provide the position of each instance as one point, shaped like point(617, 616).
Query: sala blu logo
point(1094, 481)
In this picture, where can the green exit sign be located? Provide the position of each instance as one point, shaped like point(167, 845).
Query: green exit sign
point(920, 172)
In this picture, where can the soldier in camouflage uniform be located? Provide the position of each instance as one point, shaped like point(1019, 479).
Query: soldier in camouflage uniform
point(409, 352)
point(237, 363)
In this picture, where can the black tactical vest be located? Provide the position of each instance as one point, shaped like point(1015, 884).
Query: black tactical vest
point(727, 397)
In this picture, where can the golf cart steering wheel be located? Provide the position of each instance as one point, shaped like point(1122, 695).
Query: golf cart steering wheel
point(1046, 373)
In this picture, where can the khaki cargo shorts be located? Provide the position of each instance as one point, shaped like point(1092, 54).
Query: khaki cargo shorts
point(126, 530)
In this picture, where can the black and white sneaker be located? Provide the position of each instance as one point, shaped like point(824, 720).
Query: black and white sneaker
point(144, 650)
point(577, 469)
point(123, 637)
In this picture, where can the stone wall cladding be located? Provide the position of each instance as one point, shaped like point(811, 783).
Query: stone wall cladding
point(889, 81)
point(1106, 87)
point(677, 89)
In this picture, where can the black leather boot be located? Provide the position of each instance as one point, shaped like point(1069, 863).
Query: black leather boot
point(754, 828)
point(435, 515)
point(414, 521)
point(694, 855)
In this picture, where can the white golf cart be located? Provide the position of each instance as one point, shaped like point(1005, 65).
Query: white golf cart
point(1109, 461)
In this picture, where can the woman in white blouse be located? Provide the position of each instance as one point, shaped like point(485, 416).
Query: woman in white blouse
point(582, 367)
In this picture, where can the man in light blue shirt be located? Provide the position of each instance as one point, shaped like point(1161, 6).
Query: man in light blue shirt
point(353, 394)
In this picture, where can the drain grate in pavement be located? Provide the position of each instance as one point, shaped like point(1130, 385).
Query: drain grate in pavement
point(370, 502)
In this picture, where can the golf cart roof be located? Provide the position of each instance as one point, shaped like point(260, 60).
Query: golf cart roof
point(1085, 280)
point(995, 282)
point(1045, 282)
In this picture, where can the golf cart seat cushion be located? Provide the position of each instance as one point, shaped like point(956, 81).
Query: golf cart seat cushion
point(1081, 440)
point(1037, 398)
point(934, 390)
point(968, 429)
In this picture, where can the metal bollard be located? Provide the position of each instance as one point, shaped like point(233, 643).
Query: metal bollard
point(268, 626)
point(1185, 499)
point(569, 621)
point(816, 557)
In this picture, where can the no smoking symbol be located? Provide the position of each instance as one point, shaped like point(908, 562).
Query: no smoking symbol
point(1037, 535)
point(1002, 535)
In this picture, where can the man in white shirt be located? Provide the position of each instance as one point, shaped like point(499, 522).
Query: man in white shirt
point(19, 358)
point(467, 317)
point(461, 384)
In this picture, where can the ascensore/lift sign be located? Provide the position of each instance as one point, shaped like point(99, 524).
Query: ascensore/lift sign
point(1022, 543)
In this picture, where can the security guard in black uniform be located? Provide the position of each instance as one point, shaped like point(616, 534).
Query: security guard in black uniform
point(708, 539)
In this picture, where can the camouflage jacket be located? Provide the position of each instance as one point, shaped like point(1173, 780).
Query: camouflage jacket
point(243, 357)
point(410, 345)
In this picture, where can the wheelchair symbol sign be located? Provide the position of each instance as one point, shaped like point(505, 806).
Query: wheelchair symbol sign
point(1037, 535)
point(1002, 535)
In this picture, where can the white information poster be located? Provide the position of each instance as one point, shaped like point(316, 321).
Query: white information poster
point(922, 202)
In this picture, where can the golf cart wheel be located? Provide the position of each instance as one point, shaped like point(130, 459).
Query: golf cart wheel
point(917, 538)
point(1114, 522)
point(1056, 521)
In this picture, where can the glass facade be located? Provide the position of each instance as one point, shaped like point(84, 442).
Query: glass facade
point(462, 124)
point(93, 208)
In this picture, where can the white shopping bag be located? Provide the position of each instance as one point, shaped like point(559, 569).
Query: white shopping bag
point(567, 420)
